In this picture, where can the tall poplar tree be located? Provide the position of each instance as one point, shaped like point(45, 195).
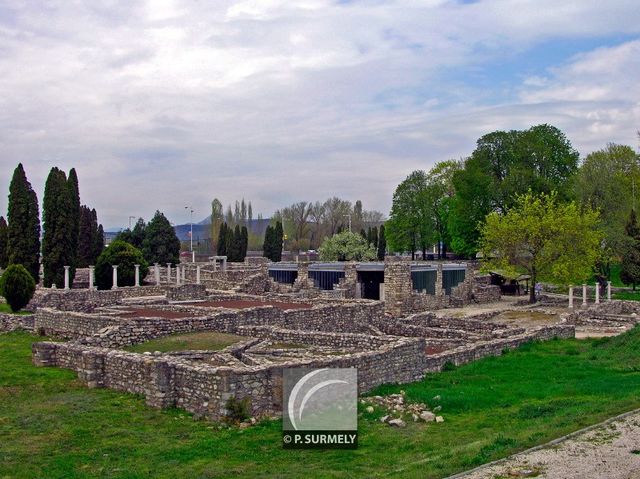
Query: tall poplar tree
point(23, 233)
point(382, 244)
point(73, 225)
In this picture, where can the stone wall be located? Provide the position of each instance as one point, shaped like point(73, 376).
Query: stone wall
point(71, 325)
point(13, 322)
point(167, 380)
point(187, 292)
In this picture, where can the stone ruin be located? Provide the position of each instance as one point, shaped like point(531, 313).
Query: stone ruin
point(397, 340)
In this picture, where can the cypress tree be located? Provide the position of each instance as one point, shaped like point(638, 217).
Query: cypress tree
point(222, 240)
point(382, 244)
point(161, 245)
point(229, 246)
point(85, 239)
point(57, 240)
point(364, 234)
point(98, 242)
point(4, 256)
point(277, 242)
point(244, 242)
point(268, 242)
point(23, 232)
point(73, 220)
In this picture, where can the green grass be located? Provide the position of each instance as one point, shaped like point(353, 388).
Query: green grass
point(51, 426)
point(628, 295)
point(211, 341)
point(5, 308)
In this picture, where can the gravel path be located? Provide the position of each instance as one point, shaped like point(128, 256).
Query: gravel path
point(610, 450)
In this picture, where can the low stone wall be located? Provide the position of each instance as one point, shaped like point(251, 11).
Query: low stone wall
point(170, 381)
point(187, 292)
point(71, 325)
point(13, 322)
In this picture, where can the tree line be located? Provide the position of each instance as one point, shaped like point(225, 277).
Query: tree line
point(233, 242)
point(448, 205)
point(71, 235)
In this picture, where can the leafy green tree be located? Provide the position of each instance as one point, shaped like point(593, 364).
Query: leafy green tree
point(17, 286)
point(439, 198)
point(605, 177)
point(382, 244)
point(4, 254)
point(161, 245)
point(630, 268)
point(503, 166)
point(410, 226)
point(57, 240)
point(347, 246)
point(125, 256)
point(544, 238)
point(23, 233)
point(217, 219)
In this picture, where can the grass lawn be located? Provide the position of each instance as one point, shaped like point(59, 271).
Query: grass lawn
point(183, 342)
point(5, 308)
point(51, 426)
point(630, 295)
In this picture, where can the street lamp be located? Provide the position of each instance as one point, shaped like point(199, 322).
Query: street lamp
point(131, 218)
point(193, 255)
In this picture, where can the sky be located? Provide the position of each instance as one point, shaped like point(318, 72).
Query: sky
point(163, 104)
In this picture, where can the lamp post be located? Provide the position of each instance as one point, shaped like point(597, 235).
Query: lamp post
point(190, 208)
point(131, 218)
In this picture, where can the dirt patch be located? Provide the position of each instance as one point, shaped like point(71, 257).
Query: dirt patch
point(206, 340)
point(434, 349)
point(244, 304)
point(154, 313)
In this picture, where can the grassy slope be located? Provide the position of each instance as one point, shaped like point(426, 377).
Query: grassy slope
point(50, 426)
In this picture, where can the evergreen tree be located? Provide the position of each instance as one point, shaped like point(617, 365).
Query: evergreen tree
point(86, 238)
point(278, 237)
point(268, 242)
point(382, 244)
point(4, 256)
point(161, 245)
point(365, 235)
point(98, 243)
point(374, 237)
point(244, 243)
point(73, 190)
point(23, 232)
point(138, 233)
point(630, 271)
point(229, 243)
point(57, 240)
point(222, 240)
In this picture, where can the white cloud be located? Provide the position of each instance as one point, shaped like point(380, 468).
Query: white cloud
point(160, 104)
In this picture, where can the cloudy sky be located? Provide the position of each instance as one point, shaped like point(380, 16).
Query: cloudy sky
point(163, 104)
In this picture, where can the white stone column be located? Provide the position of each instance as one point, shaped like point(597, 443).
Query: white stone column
point(608, 290)
point(584, 295)
point(66, 277)
point(193, 256)
point(115, 277)
point(137, 273)
point(92, 276)
point(157, 273)
point(198, 274)
point(570, 297)
point(184, 274)
point(178, 275)
point(597, 293)
point(168, 273)
point(224, 263)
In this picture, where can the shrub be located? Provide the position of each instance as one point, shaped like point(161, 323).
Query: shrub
point(238, 410)
point(125, 256)
point(347, 246)
point(17, 286)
